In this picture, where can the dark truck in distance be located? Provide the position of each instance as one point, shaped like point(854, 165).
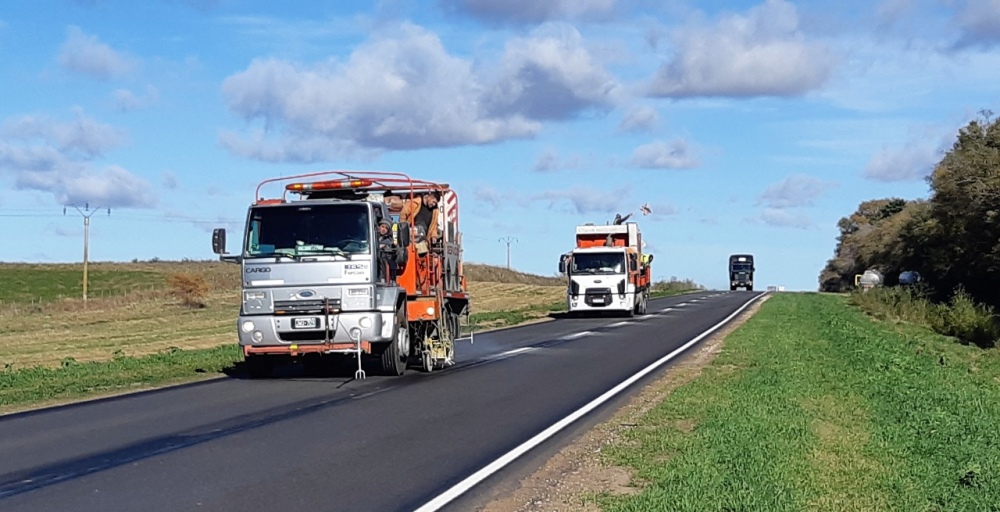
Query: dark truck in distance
point(741, 271)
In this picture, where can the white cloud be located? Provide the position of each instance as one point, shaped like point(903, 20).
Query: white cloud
point(675, 154)
point(912, 162)
point(586, 200)
point(86, 54)
point(368, 102)
point(113, 186)
point(402, 90)
point(550, 161)
point(762, 53)
point(785, 218)
point(793, 191)
point(82, 137)
point(126, 100)
point(639, 119)
point(550, 75)
point(532, 11)
point(979, 22)
point(53, 156)
point(170, 181)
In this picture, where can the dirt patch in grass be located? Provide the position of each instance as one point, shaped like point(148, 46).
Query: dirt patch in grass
point(568, 481)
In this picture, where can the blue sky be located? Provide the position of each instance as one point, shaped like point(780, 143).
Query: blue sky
point(746, 126)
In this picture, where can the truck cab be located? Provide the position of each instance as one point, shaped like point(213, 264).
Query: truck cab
point(741, 269)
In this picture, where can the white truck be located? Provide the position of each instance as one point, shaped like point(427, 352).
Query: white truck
point(607, 270)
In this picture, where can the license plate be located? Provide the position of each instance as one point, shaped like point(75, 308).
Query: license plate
point(598, 300)
point(305, 323)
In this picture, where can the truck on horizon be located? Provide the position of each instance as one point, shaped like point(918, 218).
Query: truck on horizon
point(741, 269)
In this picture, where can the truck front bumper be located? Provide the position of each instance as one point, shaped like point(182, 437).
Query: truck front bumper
point(314, 333)
point(600, 302)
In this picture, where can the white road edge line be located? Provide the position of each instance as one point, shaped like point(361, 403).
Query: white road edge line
point(575, 336)
point(664, 310)
point(618, 324)
point(472, 480)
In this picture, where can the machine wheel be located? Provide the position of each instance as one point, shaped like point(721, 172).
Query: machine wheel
point(394, 356)
point(259, 367)
point(427, 362)
point(732, 288)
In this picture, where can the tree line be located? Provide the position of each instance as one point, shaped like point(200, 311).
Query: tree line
point(952, 237)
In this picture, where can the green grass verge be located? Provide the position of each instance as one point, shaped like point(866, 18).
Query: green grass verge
point(79, 380)
point(814, 406)
point(27, 283)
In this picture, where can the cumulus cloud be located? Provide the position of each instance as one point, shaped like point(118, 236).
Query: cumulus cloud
point(170, 181)
point(82, 137)
point(639, 119)
point(86, 54)
point(675, 154)
point(794, 191)
point(585, 200)
point(550, 161)
point(785, 218)
point(402, 90)
point(54, 156)
point(912, 162)
point(761, 53)
point(979, 22)
point(125, 100)
point(531, 11)
point(550, 75)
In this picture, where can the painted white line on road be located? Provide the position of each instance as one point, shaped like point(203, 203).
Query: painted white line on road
point(665, 310)
point(515, 351)
point(472, 480)
point(618, 324)
point(575, 336)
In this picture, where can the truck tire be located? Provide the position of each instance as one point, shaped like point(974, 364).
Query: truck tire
point(259, 366)
point(396, 352)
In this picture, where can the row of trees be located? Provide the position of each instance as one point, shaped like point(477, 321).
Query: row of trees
point(952, 238)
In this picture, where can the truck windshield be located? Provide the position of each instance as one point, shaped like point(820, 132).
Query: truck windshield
point(741, 267)
point(598, 263)
point(338, 229)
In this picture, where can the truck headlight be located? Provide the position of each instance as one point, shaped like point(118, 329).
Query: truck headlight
point(247, 326)
point(365, 322)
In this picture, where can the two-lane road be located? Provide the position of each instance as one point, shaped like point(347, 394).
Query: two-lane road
point(306, 443)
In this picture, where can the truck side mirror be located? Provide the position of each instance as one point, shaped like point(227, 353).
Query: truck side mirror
point(219, 241)
point(562, 264)
point(650, 260)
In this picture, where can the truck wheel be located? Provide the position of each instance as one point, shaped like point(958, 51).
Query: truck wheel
point(258, 366)
point(732, 288)
point(394, 355)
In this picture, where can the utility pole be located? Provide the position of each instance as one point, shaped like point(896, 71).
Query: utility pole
point(508, 240)
point(86, 213)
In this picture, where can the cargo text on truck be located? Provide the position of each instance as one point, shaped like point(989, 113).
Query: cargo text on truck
point(317, 283)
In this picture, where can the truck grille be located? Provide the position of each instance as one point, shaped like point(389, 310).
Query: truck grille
point(597, 297)
point(305, 307)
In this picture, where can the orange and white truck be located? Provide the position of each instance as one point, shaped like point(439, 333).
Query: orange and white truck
point(607, 270)
point(320, 279)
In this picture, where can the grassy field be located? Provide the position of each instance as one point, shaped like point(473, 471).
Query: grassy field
point(814, 406)
point(134, 332)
